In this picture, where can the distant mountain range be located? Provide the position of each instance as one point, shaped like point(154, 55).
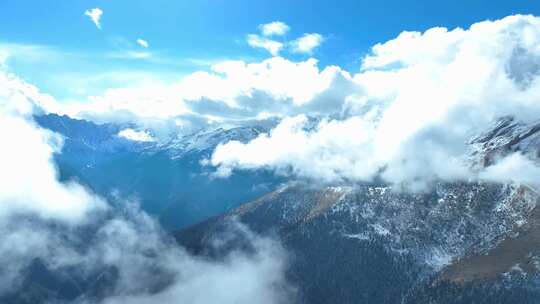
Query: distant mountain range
point(166, 177)
point(462, 242)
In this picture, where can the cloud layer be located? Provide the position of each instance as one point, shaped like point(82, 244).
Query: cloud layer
point(405, 117)
point(231, 90)
point(79, 238)
point(417, 101)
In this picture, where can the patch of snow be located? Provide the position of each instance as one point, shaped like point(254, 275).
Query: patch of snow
point(380, 230)
point(439, 258)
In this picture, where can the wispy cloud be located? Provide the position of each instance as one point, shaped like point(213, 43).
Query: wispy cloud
point(276, 28)
point(305, 44)
point(95, 15)
point(128, 54)
point(272, 46)
point(79, 73)
point(143, 43)
point(32, 52)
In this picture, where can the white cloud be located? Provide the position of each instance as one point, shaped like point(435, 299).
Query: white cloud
point(238, 278)
point(95, 15)
point(130, 55)
point(417, 93)
point(27, 149)
point(142, 136)
point(75, 234)
point(276, 28)
point(419, 99)
point(28, 97)
point(514, 167)
point(227, 90)
point(307, 43)
point(272, 46)
point(31, 53)
point(405, 117)
point(143, 43)
point(3, 57)
point(329, 153)
point(230, 90)
point(30, 186)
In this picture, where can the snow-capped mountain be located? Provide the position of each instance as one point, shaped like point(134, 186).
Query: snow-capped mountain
point(205, 140)
point(506, 136)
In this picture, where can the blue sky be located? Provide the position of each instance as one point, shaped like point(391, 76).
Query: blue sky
point(66, 54)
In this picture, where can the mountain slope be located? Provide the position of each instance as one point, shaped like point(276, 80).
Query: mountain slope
point(373, 244)
point(460, 242)
point(167, 178)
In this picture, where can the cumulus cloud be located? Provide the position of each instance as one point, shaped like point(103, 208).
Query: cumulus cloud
point(414, 103)
point(272, 46)
point(420, 97)
point(307, 43)
point(30, 186)
point(322, 152)
point(276, 28)
point(515, 167)
point(91, 252)
point(28, 149)
point(21, 98)
point(95, 15)
point(143, 43)
point(231, 90)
